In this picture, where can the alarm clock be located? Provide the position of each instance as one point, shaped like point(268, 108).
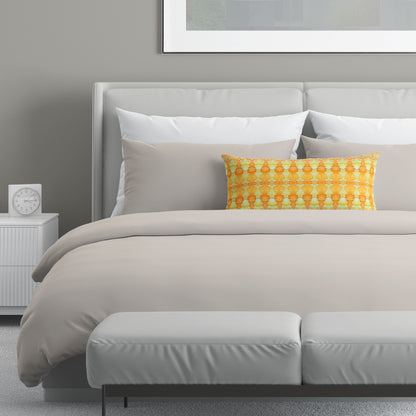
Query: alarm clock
point(25, 199)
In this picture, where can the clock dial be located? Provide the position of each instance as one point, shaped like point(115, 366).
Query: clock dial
point(26, 201)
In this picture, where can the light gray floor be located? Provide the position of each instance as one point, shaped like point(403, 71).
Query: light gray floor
point(17, 400)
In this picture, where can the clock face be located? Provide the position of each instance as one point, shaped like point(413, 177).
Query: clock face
point(26, 201)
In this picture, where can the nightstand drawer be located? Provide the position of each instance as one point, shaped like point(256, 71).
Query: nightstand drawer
point(23, 240)
point(19, 246)
point(16, 285)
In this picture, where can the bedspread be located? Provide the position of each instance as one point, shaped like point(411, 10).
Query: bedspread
point(299, 261)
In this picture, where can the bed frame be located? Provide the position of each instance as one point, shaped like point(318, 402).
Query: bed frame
point(68, 381)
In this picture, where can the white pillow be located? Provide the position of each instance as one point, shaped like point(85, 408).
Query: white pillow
point(363, 130)
point(214, 130)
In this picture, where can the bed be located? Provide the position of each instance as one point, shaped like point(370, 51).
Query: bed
point(335, 273)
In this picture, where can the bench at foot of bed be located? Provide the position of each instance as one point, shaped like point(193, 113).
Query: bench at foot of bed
point(246, 354)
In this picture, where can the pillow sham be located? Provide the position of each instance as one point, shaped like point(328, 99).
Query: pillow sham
point(333, 183)
point(221, 130)
point(396, 169)
point(363, 130)
point(183, 176)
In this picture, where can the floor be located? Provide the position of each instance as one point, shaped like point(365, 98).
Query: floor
point(17, 400)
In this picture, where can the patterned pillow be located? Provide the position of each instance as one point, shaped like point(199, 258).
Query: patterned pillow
point(333, 183)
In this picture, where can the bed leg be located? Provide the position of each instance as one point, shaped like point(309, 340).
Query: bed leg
point(103, 400)
point(126, 402)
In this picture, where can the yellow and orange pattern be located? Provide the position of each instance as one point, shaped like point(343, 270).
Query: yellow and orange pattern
point(333, 183)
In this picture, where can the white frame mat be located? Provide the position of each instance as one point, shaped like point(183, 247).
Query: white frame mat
point(176, 39)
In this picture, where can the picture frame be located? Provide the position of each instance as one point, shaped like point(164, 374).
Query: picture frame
point(176, 38)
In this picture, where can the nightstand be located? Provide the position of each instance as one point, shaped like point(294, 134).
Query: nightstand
point(23, 240)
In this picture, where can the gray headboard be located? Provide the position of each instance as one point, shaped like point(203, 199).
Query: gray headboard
point(378, 100)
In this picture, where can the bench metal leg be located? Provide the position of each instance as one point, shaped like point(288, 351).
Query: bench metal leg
point(126, 402)
point(103, 400)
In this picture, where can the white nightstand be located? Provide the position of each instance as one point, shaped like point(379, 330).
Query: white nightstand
point(23, 240)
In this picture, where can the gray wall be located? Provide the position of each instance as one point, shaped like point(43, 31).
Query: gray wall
point(51, 52)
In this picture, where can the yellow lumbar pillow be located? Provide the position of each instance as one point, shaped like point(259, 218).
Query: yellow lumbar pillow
point(333, 183)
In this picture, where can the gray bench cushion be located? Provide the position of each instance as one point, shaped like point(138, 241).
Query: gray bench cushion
point(359, 348)
point(195, 348)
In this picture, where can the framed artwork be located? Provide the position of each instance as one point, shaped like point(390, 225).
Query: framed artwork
point(289, 26)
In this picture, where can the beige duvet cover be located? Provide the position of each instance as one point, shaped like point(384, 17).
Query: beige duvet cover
point(299, 261)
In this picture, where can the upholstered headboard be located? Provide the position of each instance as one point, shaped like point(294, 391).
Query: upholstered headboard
point(378, 100)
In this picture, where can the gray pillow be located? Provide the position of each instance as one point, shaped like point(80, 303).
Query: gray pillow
point(394, 184)
point(184, 176)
